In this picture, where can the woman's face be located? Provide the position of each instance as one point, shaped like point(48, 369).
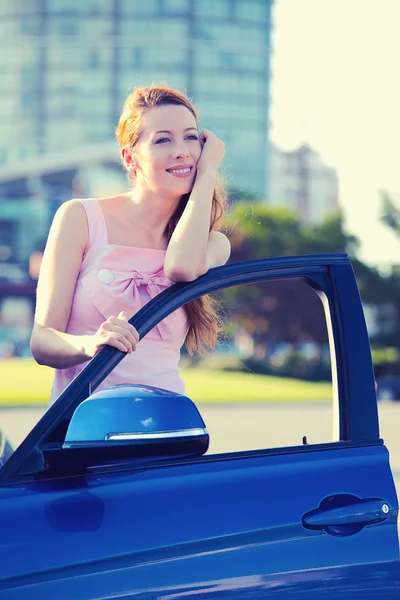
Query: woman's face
point(168, 150)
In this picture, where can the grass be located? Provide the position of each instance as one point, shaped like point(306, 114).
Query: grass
point(24, 383)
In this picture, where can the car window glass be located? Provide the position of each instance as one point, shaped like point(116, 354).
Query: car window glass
point(268, 381)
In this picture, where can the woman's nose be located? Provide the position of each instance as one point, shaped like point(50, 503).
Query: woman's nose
point(181, 151)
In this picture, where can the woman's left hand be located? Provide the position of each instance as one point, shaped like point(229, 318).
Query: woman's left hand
point(213, 151)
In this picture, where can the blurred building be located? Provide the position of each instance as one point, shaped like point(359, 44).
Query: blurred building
point(66, 68)
point(302, 182)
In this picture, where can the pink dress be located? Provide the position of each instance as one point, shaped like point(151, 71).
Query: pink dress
point(113, 278)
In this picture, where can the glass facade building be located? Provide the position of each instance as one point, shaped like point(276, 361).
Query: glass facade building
point(66, 67)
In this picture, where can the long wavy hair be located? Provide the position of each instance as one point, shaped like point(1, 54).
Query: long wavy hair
point(202, 313)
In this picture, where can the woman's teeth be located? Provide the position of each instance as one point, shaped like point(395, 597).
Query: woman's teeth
point(179, 170)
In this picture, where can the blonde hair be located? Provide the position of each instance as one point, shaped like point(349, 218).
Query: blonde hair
point(202, 313)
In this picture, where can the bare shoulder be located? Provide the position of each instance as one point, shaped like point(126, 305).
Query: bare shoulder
point(70, 222)
point(62, 259)
point(72, 211)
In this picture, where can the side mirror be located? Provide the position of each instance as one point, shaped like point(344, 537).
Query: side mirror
point(135, 421)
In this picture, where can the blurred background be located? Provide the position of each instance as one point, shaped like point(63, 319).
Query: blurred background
point(305, 97)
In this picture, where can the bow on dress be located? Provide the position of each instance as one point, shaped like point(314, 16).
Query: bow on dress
point(119, 291)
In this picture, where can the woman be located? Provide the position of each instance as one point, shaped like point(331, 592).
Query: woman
point(106, 257)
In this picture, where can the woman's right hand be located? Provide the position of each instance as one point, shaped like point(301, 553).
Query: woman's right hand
point(116, 332)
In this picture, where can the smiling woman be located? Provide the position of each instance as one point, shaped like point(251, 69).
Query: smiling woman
point(107, 257)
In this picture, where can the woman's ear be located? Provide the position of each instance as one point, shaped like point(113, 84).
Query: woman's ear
point(128, 159)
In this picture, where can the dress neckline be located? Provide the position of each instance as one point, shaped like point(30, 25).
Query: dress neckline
point(134, 247)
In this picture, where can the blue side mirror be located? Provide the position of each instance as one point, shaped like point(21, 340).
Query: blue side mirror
point(136, 421)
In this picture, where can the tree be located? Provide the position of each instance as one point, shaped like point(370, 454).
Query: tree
point(259, 231)
point(390, 213)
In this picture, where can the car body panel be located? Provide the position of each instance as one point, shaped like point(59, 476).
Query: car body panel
point(231, 525)
point(224, 526)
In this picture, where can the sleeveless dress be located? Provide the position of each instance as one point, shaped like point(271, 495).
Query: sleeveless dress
point(114, 278)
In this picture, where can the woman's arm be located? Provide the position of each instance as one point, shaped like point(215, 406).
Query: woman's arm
point(65, 247)
point(50, 344)
point(193, 249)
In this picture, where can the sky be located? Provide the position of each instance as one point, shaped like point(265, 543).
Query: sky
point(334, 84)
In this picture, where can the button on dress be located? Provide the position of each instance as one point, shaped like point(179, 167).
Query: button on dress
point(117, 278)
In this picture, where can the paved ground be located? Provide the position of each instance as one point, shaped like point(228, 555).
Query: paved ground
point(249, 427)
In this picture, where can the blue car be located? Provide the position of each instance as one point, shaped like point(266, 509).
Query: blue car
point(388, 388)
point(112, 494)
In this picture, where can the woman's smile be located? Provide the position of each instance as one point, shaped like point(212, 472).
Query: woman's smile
point(181, 171)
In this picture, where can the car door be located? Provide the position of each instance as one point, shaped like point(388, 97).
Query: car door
point(307, 521)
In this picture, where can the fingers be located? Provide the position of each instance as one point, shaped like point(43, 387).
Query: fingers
point(204, 135)
point(118, 332)
point(208, 136)
point(112, 340)
point(124, 316)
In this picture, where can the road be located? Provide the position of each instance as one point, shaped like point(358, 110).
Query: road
point(243, 427)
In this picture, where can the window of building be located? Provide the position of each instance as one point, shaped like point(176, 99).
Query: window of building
point(253, 61)
point(151, 31)
point(181, 6)
point(94, 106)
point(229, 32)
point(64, 25)
point(72, 54)
point(256, 11)
point(230, 83)
point(7, 104)
point(30, 24)
point(169, 57)
point(28, 149)
point(92, 28)
point(142, 77)
point(77, 6)
point(63, 133)
point(97, 129)
point(235, 111)
point(67, 25)
point(212, 9)
point(127, 7)
point(206, 58)
point(252, 141)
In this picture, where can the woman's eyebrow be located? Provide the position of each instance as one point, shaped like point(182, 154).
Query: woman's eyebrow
point(170, 132)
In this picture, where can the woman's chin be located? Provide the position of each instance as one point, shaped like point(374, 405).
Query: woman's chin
point(182, 189)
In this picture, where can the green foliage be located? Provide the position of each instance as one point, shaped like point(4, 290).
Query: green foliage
point(386, 361)
point(390, 214)
point(385, 355)
point(258, 230)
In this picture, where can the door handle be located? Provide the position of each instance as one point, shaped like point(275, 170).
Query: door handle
point(345, 514)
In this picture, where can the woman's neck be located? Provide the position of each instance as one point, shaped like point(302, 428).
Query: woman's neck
point(150, 211)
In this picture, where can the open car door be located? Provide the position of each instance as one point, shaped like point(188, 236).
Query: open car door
point(310, 521)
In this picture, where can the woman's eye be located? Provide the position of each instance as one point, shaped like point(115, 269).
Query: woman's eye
point(161, 140)
point(192, 137)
